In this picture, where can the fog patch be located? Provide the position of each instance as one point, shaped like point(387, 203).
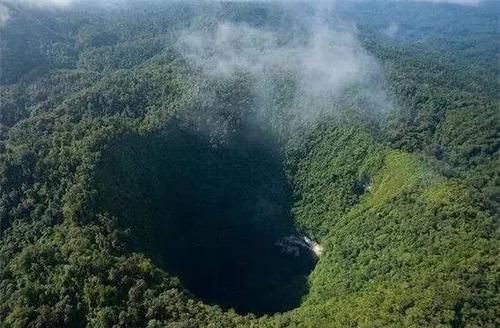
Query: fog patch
point(391, 31)
point(4, 15)
point(42, 3)
point(455, 2)
point(317, 60)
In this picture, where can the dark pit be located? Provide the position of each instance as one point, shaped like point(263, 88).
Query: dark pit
point(210, 213)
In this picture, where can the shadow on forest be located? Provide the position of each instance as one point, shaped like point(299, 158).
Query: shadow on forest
point(210, 213)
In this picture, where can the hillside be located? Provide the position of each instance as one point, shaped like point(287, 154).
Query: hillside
point(159, 162)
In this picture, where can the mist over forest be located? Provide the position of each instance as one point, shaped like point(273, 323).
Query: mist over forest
point(249, 163)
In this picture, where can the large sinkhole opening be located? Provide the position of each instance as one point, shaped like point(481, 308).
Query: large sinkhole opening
point(214, 214)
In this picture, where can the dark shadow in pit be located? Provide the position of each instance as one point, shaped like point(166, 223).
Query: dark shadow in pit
point(210, 213)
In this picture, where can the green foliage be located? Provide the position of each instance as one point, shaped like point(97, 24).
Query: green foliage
point(332, 165)
point(128, 198)
point(124, 55)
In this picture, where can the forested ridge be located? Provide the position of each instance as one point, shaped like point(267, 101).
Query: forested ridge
point(140, 189)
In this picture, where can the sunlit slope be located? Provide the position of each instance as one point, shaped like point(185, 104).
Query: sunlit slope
point(412, 251)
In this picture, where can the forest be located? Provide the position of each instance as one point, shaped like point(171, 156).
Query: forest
point(189, 164)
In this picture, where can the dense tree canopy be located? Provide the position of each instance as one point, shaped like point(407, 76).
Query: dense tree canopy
point(137, 191)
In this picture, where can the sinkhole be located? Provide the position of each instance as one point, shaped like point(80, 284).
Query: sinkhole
point(214, 214)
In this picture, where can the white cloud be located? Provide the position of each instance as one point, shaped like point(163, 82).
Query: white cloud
point(455, 2)
point(391, 30)
point(4, 15)
point(324, 64)
point(326, 3)
point(43, 3)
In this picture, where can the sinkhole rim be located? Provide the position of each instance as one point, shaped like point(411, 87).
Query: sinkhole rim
point(251, 175)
